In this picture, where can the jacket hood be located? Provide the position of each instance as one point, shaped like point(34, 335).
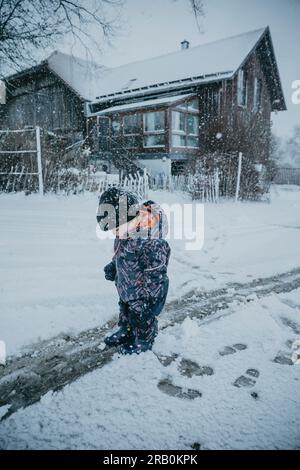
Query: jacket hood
point(151, 222)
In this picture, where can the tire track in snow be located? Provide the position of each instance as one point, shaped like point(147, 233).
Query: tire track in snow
point(52, 364)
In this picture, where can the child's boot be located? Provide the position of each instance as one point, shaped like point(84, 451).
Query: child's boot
point(122, 336)
point(136, 347)
point(143, 339)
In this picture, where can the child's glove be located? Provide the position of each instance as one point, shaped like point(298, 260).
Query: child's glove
point(110, 271)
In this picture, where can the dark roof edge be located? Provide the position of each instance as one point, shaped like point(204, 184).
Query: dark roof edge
point(160, 87)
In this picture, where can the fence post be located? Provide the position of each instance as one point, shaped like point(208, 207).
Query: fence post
point(237, 191)
point(39, 159)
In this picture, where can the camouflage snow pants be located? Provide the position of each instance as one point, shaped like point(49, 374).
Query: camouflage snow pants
point(140, 315)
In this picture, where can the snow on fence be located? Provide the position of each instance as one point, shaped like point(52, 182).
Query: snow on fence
point(24, 168)
point(139, 184)
point(201, 187)
point(27, 171)
point(18, 174)
point(74, 181)
point(287, 176)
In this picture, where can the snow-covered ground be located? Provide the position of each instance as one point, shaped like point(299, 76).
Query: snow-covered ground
point(51, 270)
point(122, 406)
point(228, 381)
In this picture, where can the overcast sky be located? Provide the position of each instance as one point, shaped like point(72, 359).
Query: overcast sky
point(155, 27)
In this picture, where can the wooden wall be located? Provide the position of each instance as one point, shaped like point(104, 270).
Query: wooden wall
point(42, 99)
point(241, 127)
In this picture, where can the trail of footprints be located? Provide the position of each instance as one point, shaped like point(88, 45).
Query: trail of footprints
point(284, 357)
point(189, 368)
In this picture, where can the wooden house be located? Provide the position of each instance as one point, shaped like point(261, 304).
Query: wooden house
point(52, 94)
point(164, 112)
point(215, 98)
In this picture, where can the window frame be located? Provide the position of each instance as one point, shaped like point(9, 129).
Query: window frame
point(186, 112)
point(242, 88)
point(146, 133)
point(107, 137)
point(257, 105)
point(138, 115)
point(135, 134)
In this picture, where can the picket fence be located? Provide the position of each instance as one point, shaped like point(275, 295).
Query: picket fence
point(287, 176)
point(72, 181)
point(204, 188)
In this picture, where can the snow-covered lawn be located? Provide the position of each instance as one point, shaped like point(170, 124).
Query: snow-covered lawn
point(122, 406)
point(228, 381)
point(51, 271)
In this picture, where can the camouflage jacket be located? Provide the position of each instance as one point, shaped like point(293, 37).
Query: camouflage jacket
point(141, 262)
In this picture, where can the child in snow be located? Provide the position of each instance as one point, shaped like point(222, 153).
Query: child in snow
point(139, 267)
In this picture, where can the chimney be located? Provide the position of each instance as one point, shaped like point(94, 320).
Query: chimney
point(185, 44)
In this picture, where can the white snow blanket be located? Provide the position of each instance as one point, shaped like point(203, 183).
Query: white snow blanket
point(232, 381)
point(51, 270)
point(122, 407)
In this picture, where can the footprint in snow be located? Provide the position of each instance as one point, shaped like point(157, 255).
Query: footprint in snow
point(232, 349)
point(166, 386)
point(186, 367)
point(166, 360)
point(294, 326)
point(247, 380)
point(291, 356)
point(189, 368)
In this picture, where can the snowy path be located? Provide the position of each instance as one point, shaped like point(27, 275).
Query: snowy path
point(54, 363)
point(223, 382)
point(220, 375)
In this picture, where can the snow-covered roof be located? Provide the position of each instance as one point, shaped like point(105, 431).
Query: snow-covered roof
point(83, 76)
point(160, 101)
point(166, 73)
point(222, 57)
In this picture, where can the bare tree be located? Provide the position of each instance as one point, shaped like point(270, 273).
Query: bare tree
point(197, 8)
point(29, 25)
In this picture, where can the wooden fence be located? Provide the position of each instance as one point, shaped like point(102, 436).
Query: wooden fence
point(204, 188)
point(20, 175)
point(33, 170)
point(287, 176)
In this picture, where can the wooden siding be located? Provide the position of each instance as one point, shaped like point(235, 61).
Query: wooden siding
point(240, 128)
point(41, 98)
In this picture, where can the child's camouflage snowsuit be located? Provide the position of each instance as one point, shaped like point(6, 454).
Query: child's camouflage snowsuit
point(141, 278)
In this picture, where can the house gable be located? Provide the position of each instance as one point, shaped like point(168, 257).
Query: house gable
point(37, 96)
point(264, 50)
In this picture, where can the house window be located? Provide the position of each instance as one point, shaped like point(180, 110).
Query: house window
point(131, 130)
point(155, 140)
point(154, 129)
point(131, 124)
point(190, 106)
point(116, 126)
point(257, 94)
point(185, 129)
point(154, 122)
point(116, 132)
point(104, 137)
point(242, 88)
point(193, 105)
point(220, 101)
point(178, 122)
